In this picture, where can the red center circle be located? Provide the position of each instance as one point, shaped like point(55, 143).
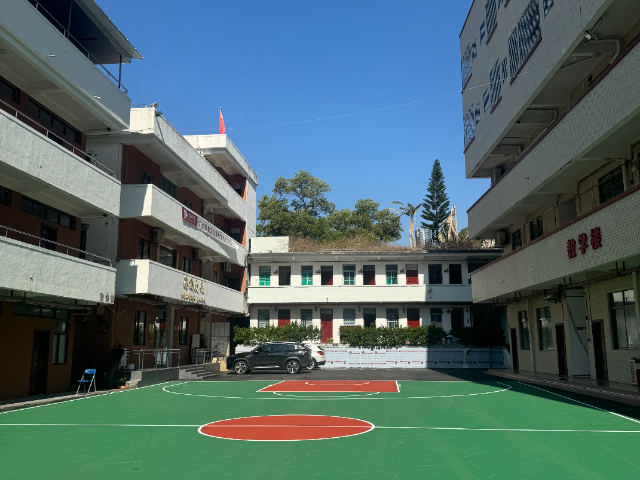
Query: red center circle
point(282, 428)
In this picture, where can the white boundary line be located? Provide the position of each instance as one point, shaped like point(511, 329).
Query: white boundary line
point(263, 390)
point(363, 394)
point(581, 403)
point(272, 385)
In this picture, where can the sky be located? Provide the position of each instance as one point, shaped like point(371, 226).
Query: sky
point(278, 62)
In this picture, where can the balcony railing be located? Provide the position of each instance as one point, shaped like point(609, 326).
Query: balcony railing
point(48, 244)
point(55, 137)
point(116, 81)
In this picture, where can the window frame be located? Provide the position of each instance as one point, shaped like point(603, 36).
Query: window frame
point(137, 323)
point(186, 264)
point(627, 305)
point(73, 136)
point(15, 97)
point(536, 228)
point(5, 196)
point(146, 178)
point(516, 239)
point(262, 321)
point(306, 322)
point(349, 275)
point(47, 212)
point(545, 328)
point(614, 188)
point(391, 274)
point(183, 331)
point(435, 271)
point(144, 244)
point(264, 275)
point(168, 187)
point(163, 248)
point(283, 269)
point(368, 269)
point(324, 270)
point(524, 330)
point(60, 339)
point(306, 275)
point(393, 322)
point(351, 320)
point(455, 267)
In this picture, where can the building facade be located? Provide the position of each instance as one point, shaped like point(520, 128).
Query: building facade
point(333, 289)
point(551, 114)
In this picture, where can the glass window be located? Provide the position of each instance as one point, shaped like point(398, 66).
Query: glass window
point(33, 310)
point(143, 248)
point(139, 327)
point(349, 274)
point(624, 324)
point(263, 318)
point(307, 274)
point(525, 37)
point(349, 316)
point(39, 210)
point(435, 274)
point(544, 328)
point(535, 228)
point(65, 220)
point(523, 326)
point(5, 196)
point(611, 185)
point(183, 329)
point(26, 205)
point(516, 239)
point(53, 216)
point(392, 274)
point(167, 257)
point(186, 264)
point(147, 179)
point(51, 121)
point(496, 85)
point(59, 354)
point(455, 274)
point(436, 315)
point(169, 187)
point(393, 318)
point(265, 276)
point(188, 204)
point(42, 211)
point(284, 275)
point(47, 312)
point(8, 91)
point(306, 317)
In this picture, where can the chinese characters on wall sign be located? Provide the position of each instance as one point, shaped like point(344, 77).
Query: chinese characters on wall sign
point(584, 241)
point(192, 290)
point(201, 224)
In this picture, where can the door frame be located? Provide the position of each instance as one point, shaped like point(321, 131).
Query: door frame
point(33, 382)
point(323, 325)
point(563, 368)
point(515, 359)
point(603, 346)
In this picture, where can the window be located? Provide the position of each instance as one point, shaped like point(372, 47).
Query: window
point(147, 179)
point(8, 91)
point(477, 117)
point(393, 318)
point(495, 85)
point(167, 256)
point(466, 66)
point(412, 274)
point(139, 327)
point(435, 274)
point(40, 210)
point(263, 318)
point(284, 276)
point(5, 196)
point(26, 310)
point(326, 275)
point(183, 329)
point(491, 11)
point(610, 185)
point(236, 234)
point(523, 326)
point(455, 274)
point(369, 274)
point(524, 38)
point(544, 328)
point(505, 73)
point(535, 228)
point(169, 187)
point(469, 127)
point(186, 264)
point(436, 315)
point(623, 320)
point(482, 32)
point(349, 317)
point(307, 274)
point(54, 123)
point(143, 248)
point(349, 274)
point(392, 274)
point(486, 100)
point(265, 276)
point(188, 204)
point(546, 7)
point(516, 239)
point(59, 354)
point(306, 317)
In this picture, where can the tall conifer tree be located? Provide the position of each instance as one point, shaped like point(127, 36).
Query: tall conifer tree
point(436, 202)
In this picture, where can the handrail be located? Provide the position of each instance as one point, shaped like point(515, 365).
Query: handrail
point(40, 240)
point(36, 4)
point(156, 352)
point(75, 150)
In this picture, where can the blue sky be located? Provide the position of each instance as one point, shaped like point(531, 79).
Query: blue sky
point(272, 62)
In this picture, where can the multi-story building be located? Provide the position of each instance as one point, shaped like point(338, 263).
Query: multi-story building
point(54, 91)
point(329, 289)
point(551, 97)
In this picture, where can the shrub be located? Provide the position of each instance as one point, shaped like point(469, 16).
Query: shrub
point(292, 332)
point(385, 337)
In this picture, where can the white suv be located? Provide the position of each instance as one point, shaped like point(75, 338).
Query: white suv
point(317, 356)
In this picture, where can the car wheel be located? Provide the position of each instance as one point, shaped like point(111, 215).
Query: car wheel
point(241, 367)
point(292, 366)
point(312, 364)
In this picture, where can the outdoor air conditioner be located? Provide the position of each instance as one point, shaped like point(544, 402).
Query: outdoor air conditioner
point(198, 254)
point(157, 235)
point(226, 267)
point(496, 174)
point(502, 237)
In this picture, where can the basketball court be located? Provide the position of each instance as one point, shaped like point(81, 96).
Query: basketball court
point(350, 428)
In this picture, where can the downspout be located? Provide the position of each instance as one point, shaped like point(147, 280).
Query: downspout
point(636, 293)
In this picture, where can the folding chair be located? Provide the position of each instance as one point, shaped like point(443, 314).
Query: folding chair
point(92, 381)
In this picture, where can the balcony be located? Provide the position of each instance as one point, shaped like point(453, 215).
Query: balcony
point(156, 208)
point(44, 274)
point(600, 126)
point(370, 294)
point(545, 263)
point(145, 277)
point(38, 167)
point(41, 60)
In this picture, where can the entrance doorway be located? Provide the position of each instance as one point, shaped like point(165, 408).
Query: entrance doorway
point(326, 323)
point(457, 318)
point(284, 317)
point(563, 371)
point(369, 315)
point(39, 363)
point(413, 317)
point(515, 361)
point(599, 352)
point(49, 233)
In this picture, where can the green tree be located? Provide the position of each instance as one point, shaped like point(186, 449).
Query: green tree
point(368, 220)
point(436, 202)
point(463, 234)
point(306, 193)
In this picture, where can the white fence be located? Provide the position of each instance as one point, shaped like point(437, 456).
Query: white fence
point(411, 357)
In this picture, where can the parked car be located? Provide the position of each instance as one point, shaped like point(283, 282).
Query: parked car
point(289, 356)
point(317, 356)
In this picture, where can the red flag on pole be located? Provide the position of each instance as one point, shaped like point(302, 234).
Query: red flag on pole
point(221, 123)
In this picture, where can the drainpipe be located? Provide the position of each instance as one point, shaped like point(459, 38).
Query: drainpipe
point(636, 293)
point(532, 339)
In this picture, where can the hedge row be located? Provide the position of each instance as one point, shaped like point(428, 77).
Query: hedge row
point(293, 332)
point(385, 337)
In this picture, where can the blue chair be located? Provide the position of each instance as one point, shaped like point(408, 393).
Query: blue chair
point(91, 372)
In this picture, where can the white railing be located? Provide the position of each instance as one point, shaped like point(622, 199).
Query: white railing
point(161, 356)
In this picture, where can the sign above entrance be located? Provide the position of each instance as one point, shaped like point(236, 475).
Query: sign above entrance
point(210, 230)
point(583, 242)
point(193, 290)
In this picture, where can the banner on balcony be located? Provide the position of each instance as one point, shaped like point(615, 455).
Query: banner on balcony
point(213, 232)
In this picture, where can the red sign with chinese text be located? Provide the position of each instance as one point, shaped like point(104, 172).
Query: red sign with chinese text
point(583, 242)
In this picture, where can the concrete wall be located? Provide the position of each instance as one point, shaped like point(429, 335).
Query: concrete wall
point(269, 245)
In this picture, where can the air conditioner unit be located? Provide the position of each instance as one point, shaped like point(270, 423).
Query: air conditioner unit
point(198, 254)
point(226, 267)
point(157, 235)
point(502, 237)
point(496, 174)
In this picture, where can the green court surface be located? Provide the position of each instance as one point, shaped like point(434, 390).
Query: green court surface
point(428, 429)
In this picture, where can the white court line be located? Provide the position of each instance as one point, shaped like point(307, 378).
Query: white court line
point(336, 384)
point(363, 394)
point(269, 386)
point(582, 403)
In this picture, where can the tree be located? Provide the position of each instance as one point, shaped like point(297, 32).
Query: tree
point(307, 192)
point(367, 220)
point(464, 234)
point(410, 211)
point(436, 202)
